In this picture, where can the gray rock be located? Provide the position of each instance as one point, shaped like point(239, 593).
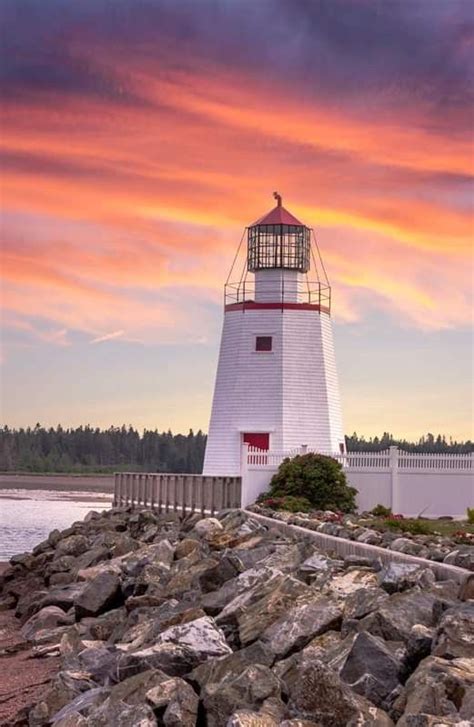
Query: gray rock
point(455, 636)
point(440, 688)
point(99, 595)
point(248, 690)
point(100, 662)
point(208, 527)
point(300, 624)
point(319, 694)
point(372, 670)
point(48, 618)
point(179, 700)
point(254, 619)
point(363, 601)
point(216, 671)
point(394, 619)
point(82, 704)
point(369, 537)
point(226, 598)
point(73, 545)
point(419, 646)
point(173, 659)
point(401, 576)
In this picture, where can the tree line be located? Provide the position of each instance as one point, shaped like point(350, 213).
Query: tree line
point(88, 449)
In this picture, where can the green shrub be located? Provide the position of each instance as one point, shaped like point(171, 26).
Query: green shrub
point(290, 503)
point(381, 511)
point(318, 479)
point(470, 515)
point(415, 527)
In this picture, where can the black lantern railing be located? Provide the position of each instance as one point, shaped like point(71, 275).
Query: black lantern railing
point(310, 292)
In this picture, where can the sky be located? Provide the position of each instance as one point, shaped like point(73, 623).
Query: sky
point(140, 137)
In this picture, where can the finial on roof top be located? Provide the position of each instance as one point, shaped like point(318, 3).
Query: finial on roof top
point(278, 198)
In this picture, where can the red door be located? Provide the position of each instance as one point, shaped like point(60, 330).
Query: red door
point(257, 439)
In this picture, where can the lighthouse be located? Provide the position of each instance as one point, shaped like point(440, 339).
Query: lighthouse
point(276, 383)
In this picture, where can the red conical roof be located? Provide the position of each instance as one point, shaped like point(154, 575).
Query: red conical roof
point(278, 216)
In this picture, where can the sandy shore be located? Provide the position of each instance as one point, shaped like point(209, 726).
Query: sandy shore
point(60, 483)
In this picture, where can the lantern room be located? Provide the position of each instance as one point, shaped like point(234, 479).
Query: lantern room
point(279, 241)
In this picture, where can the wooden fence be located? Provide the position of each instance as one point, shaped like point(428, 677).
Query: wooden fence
point(177, 492)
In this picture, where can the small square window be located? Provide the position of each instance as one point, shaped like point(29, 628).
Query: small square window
point(263, 343)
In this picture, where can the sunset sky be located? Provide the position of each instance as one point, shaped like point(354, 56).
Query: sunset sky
point(140, 137)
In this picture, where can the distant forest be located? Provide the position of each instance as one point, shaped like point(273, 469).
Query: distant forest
point(87, 449)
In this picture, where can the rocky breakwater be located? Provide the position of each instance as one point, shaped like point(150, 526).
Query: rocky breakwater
point(164, 620)
point(458, 551)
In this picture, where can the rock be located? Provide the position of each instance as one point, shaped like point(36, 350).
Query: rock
point(48, 618)
point(248, 690)
point(443, 689)
point(64, 687)
point(216, 671)
point(173, 659)
point(405, 545)
point(109, 625)
point(202, 636)
point(100, 662)
point(248, 718)
point(73, 545)
point(62, 564)
point(360, 561)
point(315, 564)
point(466, 591)
point(318, 694)
point(401, 576)
point(363, 601)
point(394, 619)
point(226, 598)
point(300, 624)
point(178, 650)
point(208, 527)
point(455, 636)
point(372, 670)
point(255, 618)
point(349, 582)
point(74, 719)
point(214, 577)
point(99, 595)
point(369, 537)
point(419, 646)
point(62, 596)
point(185, 547)
point(81, 705)
point(179, 700)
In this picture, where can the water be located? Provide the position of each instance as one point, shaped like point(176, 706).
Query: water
point(28, 516)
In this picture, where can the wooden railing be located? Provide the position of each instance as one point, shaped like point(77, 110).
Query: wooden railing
point(177, 492)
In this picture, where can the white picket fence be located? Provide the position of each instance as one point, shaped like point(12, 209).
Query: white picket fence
point(409, 482)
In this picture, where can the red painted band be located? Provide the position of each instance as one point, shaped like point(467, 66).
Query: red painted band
point(252, 305)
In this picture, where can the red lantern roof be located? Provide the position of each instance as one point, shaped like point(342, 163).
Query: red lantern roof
point(278, 216)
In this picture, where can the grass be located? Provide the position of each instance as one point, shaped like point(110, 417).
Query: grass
point(421, 526)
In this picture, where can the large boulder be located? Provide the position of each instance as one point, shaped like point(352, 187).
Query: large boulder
point(394, 619)
point(208, 527)
point(441, 689)
point(320, 695)
point(178, 650)
point(73, 545)
point(363, 601)
point(100, 594)
point(48, 618)
point(218, 670)
point(401, 576)
point(255, 618)
point(300, 624)
point(175, 701)
point(455, 637)
point(247, 690)
point(372, 670)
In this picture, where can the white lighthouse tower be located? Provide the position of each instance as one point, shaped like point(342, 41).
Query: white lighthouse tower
point(276, 385)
